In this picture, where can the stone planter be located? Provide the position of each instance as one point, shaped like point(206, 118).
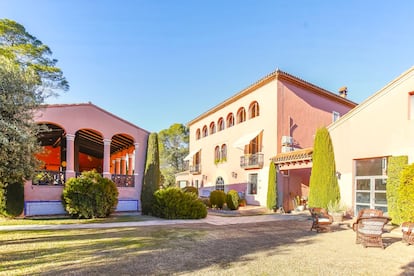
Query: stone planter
point(337, 217)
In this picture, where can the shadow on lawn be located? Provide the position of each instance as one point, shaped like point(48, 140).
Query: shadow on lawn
point(176, 249)
point(159, 249)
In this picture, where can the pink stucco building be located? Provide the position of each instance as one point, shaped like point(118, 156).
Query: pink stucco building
point(365, 138)
point(82, 137)
point(232, 144)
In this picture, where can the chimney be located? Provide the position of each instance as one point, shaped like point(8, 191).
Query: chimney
point(343, 91)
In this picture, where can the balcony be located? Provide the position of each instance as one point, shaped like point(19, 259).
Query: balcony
point(251, 161)
point(195, 169)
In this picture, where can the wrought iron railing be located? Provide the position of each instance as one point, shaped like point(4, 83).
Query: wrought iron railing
point(47, 177)
point(195, 169)
point(251, 161)
point(123, 180)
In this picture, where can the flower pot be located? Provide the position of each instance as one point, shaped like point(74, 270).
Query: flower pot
point(337, 217)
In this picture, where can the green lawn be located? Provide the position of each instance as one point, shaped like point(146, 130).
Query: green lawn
point(64, 251)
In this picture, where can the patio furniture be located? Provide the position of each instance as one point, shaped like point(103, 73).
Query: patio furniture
point(363, 213)
point(369, 231)
point(321, 220)
point(408, 232)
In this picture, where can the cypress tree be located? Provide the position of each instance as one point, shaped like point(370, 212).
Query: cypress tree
point(272, 187)
point(395, 165)
point(151, 175)
point(323, 186)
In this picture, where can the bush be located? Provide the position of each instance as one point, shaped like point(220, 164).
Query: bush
point(206, 201)
point(217, 199)
point(405, 199)
point(190, 189)
point(11, 199)
point(395, 166)
point(90, 196)
point(232, 200)
point(173, 203)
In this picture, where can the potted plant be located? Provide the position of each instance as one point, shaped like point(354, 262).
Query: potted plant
point(337, 210)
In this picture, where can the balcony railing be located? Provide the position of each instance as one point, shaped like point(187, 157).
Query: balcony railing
point(50, 178)
point(251, 161)
point(195, 169)
point(123, 180)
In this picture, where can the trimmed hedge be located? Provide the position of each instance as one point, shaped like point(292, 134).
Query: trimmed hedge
point(90, 196)
point(395, 166)
point(405, 199)
point(323, 183)
point(232, 200)
point(217, 199)
point(11, 199)
point(173, 203)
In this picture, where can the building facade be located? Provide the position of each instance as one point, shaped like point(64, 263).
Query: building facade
point(232, 144)
point(368, 136)
point(84, 137)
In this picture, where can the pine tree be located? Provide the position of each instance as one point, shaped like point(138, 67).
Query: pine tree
point(272, 187)
point(151, 175)
point(323, 186)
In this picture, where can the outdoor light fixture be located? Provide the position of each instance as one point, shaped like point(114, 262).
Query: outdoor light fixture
point(234, 174)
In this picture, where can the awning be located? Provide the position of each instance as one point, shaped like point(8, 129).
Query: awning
point(294, 159)
point(245, 139)
point(190, 155)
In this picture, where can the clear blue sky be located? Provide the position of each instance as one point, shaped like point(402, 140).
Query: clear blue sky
point(155, 63)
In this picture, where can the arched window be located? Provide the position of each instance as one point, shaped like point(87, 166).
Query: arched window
point(216, 154)
point(220, 183)
point(230, 120)
point(253, 110)
point(241, 115)
point(212, 128)
point(198, 134)
point(220, 124)
point(223, 153)
point(205, 132)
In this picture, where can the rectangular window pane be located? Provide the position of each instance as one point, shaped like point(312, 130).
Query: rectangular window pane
point(380, 184)
point(363, 184)
point(366, 167)
point(380, 198)
point(363, 197)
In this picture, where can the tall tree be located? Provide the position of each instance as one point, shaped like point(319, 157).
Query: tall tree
point(151, 175)
point(173, 145)
point(323, 186)
point(27, 76)
point(272, 187)
point(29, 52)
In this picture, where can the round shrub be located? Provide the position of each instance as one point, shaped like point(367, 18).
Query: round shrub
point(190, 189)
point(90, 196)
point(173, 203)
point(217, 199)
point(405, 200)
point(11, 199)
point(232, 200)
